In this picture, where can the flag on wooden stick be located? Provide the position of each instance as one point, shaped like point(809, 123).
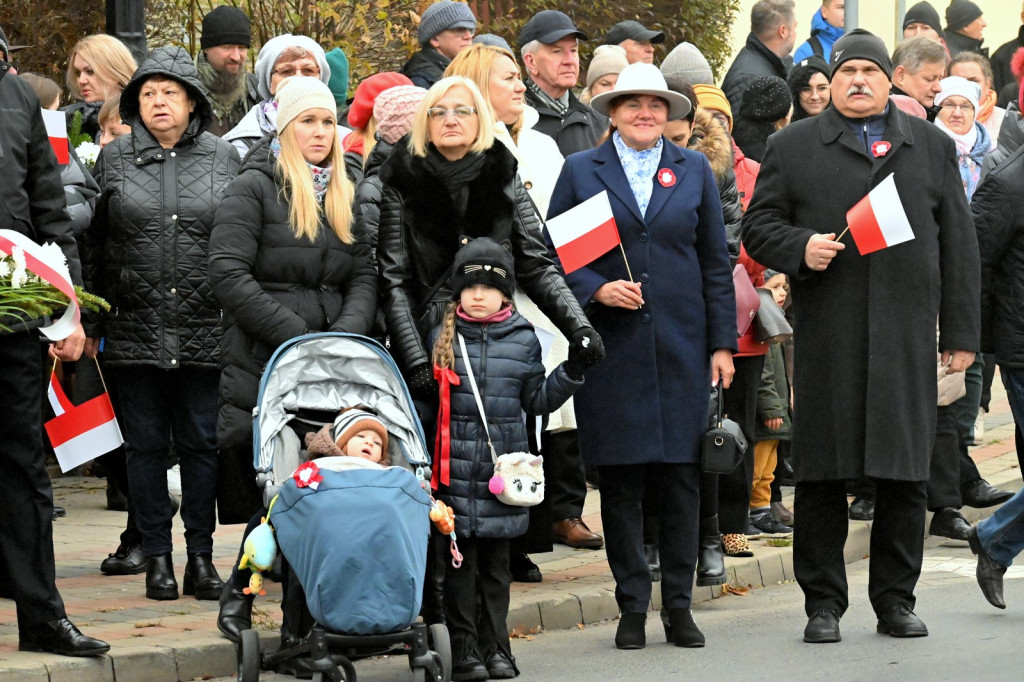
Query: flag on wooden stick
point(878, 220)
point(584, 233)
point(80, 432)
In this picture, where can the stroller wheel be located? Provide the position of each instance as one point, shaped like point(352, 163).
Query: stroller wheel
point(442, 645)
point(249, 656)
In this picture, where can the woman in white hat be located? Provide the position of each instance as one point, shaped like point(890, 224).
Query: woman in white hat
point(283, 263)
point(668, 319)
point(957, 117)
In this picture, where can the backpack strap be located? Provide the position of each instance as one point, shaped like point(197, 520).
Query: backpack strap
point(816, 47)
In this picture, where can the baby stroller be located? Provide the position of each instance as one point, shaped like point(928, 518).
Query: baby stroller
point(356, 540)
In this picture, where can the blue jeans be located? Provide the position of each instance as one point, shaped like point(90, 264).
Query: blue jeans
point(966, 408)
point(161, 406)
point(1002, 534)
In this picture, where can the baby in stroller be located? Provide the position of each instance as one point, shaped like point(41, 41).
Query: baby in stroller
point(355, 433)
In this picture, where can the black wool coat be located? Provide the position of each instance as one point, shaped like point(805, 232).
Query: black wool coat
point(421, 230)
point(274, 286)
point(998, 210)
point(864, 377)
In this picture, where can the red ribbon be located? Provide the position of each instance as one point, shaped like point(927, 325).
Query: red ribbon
point(308, 476)
point(447, 378)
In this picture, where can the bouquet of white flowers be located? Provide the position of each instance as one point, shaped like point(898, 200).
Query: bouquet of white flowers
point(25, 296)
point(87, 153)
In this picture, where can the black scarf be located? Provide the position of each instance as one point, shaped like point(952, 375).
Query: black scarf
point(455, 175)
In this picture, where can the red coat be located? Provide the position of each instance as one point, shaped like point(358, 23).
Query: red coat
point(748, 345)
point(746, 175)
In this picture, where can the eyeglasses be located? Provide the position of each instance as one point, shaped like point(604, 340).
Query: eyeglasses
point(966, 107)
point(440, 113)
point(307, 71)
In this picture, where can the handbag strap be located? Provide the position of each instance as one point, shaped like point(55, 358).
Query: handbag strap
point(476, 394)
point(718, 397)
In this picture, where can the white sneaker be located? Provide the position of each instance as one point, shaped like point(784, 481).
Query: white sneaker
point(979, 428)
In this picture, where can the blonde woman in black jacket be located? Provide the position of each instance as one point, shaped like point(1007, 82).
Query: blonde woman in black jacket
point(283, 263)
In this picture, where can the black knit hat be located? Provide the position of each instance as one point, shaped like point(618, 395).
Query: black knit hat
point(767, 98)
point(226, 25)
point(923, 13)
point(960, 13)
point(800, 78)
point(483, 261)
point(861, 44)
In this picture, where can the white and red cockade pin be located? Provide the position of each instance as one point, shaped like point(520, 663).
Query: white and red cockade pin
point(880, 148)
point(308, 475)
point(666, 177)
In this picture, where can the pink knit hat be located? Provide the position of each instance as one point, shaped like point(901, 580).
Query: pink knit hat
point(366, 94)
point(394, 110)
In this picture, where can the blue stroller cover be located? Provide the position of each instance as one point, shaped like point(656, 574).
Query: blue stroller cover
point(358, 544)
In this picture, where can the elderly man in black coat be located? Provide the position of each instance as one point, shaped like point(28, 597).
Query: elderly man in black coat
point(865, 348)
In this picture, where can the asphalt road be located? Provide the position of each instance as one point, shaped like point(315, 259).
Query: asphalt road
point(757, 637)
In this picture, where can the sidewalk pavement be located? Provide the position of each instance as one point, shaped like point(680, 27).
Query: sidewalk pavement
point(178, 640)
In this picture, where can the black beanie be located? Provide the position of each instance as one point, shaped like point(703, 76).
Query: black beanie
point(483, 261)
point(923, 13)
point(960, 13)
point(861, 44)
point(766, 98)
point(226, 25)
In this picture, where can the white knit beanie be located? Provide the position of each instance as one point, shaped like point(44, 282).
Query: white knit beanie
point(607, 59)
point(955, 85)
point(271, 51)
point(298, 94)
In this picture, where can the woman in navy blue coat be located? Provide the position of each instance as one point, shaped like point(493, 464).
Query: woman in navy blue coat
point(668, 336)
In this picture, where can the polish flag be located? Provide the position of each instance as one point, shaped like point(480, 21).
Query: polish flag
point(57, 131)
point(584, 233)
point(83, 432)
point(878, 220)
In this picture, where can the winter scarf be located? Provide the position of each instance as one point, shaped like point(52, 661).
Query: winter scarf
point(986, 106)
point(223, 103)
point(971, 149)
point(321, 174)
point(455, 175)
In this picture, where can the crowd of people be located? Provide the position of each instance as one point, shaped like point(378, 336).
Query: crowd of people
point(229, 212)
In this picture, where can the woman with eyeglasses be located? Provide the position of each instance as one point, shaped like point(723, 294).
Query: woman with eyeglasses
point(449, 184)
point(958, 106)
point(808, 81)
point(280, 57)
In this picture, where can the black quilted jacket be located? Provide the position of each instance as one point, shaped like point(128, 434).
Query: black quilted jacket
point(510, 377)
point(274, 286)
point(420, 231)
point(147, 248)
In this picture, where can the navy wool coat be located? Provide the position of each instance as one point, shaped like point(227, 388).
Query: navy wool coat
point(864, 372)
point(648, 401)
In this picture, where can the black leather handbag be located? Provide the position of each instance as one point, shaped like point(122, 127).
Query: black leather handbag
point(723, 445)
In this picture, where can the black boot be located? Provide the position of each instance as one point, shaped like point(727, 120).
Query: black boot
point(201, 578)
point(710, 557)
point(653, 561)
point(160, 582)
point(680, 628)
point(630, 633)
point(235, 612)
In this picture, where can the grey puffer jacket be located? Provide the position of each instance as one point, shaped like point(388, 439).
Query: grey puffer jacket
point(146, 251)
point(510, 376)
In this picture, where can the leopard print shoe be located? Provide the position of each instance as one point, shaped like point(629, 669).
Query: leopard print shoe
point(736, 545)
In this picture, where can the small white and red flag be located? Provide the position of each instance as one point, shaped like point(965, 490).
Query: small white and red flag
point(80, 432)
point(57, 131)
point(879, 220)
point(584, 233)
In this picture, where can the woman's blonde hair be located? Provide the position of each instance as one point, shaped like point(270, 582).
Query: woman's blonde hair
point(419, 138)
point(444, 355)
point(305, 212)
point(107, 56)
point(476, 63)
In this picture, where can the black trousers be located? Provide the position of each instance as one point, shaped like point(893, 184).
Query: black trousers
point(675, 489)
point(897, 543)
point(741, 406)
point(563, 474)
point(26, 525)
point(483, 579)
point(951, 465)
